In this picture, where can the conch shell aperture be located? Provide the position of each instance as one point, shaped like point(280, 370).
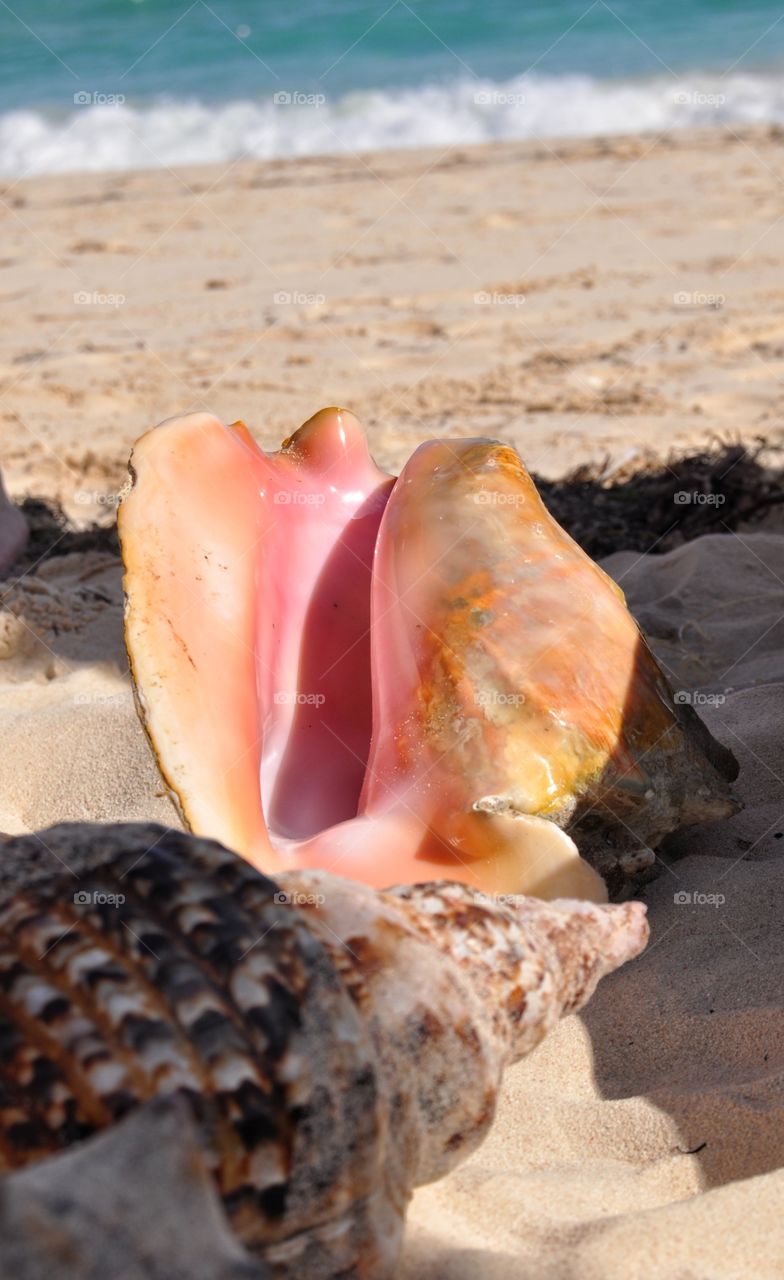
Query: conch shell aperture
point(395, 680)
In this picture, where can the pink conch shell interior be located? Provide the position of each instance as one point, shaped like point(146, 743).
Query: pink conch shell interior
point(374, 677)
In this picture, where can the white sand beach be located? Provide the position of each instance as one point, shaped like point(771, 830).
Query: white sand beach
point(591, 299)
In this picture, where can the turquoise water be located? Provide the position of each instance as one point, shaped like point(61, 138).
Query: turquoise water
point(94, 83)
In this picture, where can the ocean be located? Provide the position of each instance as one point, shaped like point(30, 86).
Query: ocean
point(115, 84)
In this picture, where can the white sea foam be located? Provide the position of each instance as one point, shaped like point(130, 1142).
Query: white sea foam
point(103, 135)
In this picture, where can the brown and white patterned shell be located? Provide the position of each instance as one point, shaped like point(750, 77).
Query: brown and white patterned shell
point(338, 1045)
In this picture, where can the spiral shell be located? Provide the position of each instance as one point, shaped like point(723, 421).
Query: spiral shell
point(338, 1045)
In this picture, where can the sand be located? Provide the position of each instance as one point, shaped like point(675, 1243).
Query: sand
point(643, 1138)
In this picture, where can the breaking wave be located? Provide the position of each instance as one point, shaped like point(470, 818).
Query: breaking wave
point(104, 132)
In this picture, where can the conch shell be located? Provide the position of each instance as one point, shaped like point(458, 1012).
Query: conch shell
point(395, 680)
point(13, 530)
point(339, 1045)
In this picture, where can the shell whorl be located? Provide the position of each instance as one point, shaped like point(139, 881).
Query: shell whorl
point(338, 1045)
point(178, 988)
